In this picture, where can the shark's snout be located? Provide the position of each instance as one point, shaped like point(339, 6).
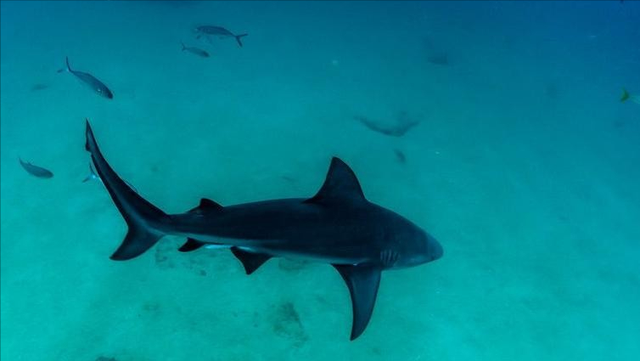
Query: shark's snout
point(435, 248)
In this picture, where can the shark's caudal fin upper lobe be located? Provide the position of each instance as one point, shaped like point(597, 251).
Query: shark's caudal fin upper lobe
point(145, 221)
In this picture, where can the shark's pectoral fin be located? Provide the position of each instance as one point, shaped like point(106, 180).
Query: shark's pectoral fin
point(190, 245)
point(251, 261)
point(363, 281)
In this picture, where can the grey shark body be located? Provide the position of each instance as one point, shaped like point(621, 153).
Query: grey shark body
point(89, 80)
point(336, 226)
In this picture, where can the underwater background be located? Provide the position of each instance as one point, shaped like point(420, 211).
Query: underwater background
point(522, 161)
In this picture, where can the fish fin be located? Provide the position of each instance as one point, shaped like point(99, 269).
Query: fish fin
point(190, 245)
point(363, 282)
point(143, 218)
point(206, 205)
point(251, 261)
point(23, 164)
point(66, 59)
point(92, 174)
point(341, 183)
point(183, 47)
point(625, 95)
point(238, 37)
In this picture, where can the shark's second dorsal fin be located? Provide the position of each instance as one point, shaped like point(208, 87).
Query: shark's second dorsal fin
point(209, 204)
point(206, 205)
point(341, 184)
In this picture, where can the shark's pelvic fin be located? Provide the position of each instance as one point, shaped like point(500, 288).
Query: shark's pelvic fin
point(251, 261)
point(190, 245)
point(340, 184)
point(363, 281)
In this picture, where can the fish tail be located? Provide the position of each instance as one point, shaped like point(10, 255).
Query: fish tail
point(238, 37)
point(183, 47)
point(625, 95)
point(146, 222)
point(66, 66)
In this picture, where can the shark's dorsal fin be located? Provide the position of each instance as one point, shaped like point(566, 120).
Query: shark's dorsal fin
point(206, 205)
point(341, 183)
point(209, 204)
point(190, 245)
point(251, 261)
point(363, 281)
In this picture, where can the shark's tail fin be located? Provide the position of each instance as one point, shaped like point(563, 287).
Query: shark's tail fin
point(625, 95)
point(146, 222)
point(238, 37)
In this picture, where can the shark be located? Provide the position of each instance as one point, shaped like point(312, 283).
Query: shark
point(337, 226)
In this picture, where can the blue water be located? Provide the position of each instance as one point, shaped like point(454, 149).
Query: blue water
point(524, 165)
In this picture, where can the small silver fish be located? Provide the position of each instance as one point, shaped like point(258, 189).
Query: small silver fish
point(206, 30)
point(194, 50)
point(38, 87)
point(89, 80)
point(35, 170)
